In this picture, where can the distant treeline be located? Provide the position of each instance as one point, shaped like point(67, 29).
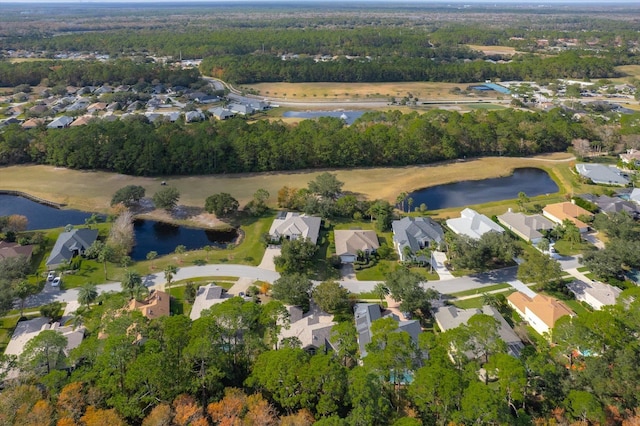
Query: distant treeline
point(83, 73)
point(268, 68)
point(133, 146)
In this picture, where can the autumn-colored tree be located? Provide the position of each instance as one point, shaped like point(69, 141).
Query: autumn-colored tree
point(16, 402)
point(66, 421)
point(98, 417)
point(71, 401)
point(40, 414)
point(301, 418)
point(160, 416)
point(228, 408)
point(260, 413)
point(186, 409)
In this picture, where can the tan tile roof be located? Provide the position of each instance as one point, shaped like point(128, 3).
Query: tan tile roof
point(11, 250)
point(350, 241)
point(567, 210)
point(548, 309)
point(156, 305)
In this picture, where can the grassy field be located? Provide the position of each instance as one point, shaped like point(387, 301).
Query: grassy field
point(630, 71)
point(493, 50)
point(323, 92)
point(92, 191)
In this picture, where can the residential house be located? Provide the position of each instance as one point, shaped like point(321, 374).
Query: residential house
point(78, 105)
point(612, 205)
point(191, 116)
point(96, 106)
point(635, 195)
point(416, 233)
point(32, 123)
point(601, 174)
point(313, 329)
point(38, 109)
point(540, 311)
point(207, 99)
point(559, 212)
point(103, 90)
point(206, 297)
point(27, 330)
point(260, 105)
point(367, 313)
point(60, 122)
point(351, 242)
point(632, 156)
point(527, 227)
point(82, 120)
point(473, 224)
point(221, 113)
point(448, 317)
point(156, 305)
point(12, 250)
point(71, 244)
point(292, 226)
point(241, 109)
point(594, 293)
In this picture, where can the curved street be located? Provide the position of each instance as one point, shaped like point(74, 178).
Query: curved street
point(156, 280)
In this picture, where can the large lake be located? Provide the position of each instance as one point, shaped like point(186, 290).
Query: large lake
point(531, 181)
point(150, 235)
point(348, 116)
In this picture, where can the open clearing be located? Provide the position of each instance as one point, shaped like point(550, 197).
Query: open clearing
point(629, 72)
point(323, 92)
point(92, 191)
point(493, 50)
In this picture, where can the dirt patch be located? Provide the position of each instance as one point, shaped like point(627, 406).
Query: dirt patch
point(493, 50)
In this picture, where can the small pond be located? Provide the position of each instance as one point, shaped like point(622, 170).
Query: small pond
point(165, 237)
point(531, 181)
point(348, 116)
point(150, 235)
point(39, 215)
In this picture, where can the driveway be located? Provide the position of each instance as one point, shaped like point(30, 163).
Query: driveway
point(267, 260)
point(592, 238)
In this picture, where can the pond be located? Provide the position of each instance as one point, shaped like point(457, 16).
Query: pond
point(150, 235)
point(531, 181)
point(348, 116)
point(164, 237)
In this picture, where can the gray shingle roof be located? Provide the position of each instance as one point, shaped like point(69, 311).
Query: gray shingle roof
point(75, 240)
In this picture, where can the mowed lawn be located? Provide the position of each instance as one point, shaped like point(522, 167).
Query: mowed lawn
point(323, 92)
point(92, 191)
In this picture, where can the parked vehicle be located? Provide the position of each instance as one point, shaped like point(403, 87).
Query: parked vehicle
point(51, 276)
point(56, 281)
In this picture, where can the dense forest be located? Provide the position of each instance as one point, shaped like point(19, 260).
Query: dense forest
point(223, 369)
point(268, 68)
point(83, 73)
point(134, 146)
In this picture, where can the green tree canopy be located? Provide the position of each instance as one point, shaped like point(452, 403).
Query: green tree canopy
point(293, 289)
point(326, 184)
point(166, 198)
point(331, 297)
point(296, 256)
point(222, 204)
point(128, 195)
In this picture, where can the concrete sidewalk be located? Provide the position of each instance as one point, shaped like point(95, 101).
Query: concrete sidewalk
point(438, 259)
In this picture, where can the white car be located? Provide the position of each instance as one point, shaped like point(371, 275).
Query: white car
point(56, 281)
point(51, 276)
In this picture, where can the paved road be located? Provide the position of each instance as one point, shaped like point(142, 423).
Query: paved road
point(476, 281)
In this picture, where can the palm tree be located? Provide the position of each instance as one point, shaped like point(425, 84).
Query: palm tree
point(151, 257)
point(169, 273)
point(132, 280)
point(207, 250)
point(400, 200)
point(87, 294)
point(409, 204)
point(180, 251)
point(408, 253)
point(381, 291)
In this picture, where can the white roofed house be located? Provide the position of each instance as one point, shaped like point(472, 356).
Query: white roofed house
point(292, 226)
point(416, 233)
point(596, 294)
point(601, 174)
point(241, 109)
point(60, 122)
point(206, 297)
point(473, 224)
